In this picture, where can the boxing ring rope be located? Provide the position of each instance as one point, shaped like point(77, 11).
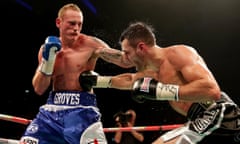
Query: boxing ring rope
point(14, 119)
point(143, 128)
point(106, 130)
point(8, 141)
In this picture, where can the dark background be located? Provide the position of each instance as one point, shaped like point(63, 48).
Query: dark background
point(210, 26)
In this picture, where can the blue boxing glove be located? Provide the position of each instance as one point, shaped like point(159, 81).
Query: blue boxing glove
point(51, 46)
point(148, 88)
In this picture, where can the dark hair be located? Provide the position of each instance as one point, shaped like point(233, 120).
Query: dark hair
point(123, 117)
point(139, 31)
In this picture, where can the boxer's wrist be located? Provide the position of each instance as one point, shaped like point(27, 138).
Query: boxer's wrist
point(167, 92)
point(46, 67)
point(103, 82)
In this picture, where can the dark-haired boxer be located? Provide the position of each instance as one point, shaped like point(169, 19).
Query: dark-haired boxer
point(177, 74)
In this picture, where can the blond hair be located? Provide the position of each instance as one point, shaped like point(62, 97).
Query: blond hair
point(66, 7)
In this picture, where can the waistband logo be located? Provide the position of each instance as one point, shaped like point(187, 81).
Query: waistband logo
point(67, 98)
point(201, 124)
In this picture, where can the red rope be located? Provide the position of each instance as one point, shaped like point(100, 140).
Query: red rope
point(14, 119)
point(143, 128)
point(113, 129)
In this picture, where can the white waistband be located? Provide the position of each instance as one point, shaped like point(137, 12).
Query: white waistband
point(54, 108)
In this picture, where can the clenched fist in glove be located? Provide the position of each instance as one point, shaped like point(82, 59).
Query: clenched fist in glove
point(148, 88)
point(51, 46)
point(91, 79)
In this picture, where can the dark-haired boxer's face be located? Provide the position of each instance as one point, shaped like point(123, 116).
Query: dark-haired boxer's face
point(130, 53)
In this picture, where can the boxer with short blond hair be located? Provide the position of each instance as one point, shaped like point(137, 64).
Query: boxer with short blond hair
point(70, 115)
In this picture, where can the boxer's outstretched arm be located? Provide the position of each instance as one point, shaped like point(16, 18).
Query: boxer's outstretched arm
point(91, 79)
point(114, 56)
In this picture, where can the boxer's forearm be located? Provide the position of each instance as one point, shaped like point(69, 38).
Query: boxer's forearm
point(122, 81)
point(91, 79)
point(114, 56)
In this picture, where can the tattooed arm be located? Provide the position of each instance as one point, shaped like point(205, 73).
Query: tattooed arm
point(108, 54)
point(114, 56)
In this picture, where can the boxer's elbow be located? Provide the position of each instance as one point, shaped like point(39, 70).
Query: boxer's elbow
point(39, 91)
point(215, 92)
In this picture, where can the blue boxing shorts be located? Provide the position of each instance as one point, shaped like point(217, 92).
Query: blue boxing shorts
point(68, 117)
